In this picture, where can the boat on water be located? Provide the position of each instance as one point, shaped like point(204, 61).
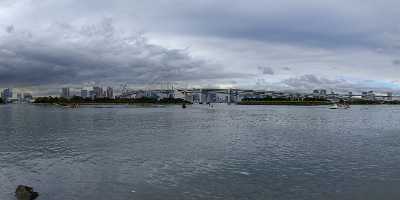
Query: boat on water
point(75, 105)
point(340, 106)
point(334, 106)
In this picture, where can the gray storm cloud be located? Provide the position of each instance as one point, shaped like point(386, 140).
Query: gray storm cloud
point(266, 70)
point(310, 81)
point(66, 54)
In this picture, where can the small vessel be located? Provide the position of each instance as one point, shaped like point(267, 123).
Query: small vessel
point(334, 106)
point(340, 106)
point(75, 105)
point(183, 106)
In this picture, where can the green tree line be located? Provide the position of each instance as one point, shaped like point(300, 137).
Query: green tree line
point(80, 100)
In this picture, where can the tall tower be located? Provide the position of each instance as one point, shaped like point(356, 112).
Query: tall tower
point(110, 93)
point(6, 94)
point(98, 92)
point(65, 93)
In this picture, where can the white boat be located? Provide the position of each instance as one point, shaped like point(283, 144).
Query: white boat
point(334, 106)
point(340, 106)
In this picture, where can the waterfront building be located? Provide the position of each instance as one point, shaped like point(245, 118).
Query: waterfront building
point(195, 97)
point(211, 97)
point(221, 98)
point(389, 96)
point(7, 94)
point(110, 93)
point(84, 94)
point(19, 97)
point(139, 94)
point(316, 94)
point(157, 94)
point(92, 94)
point(245, 95)
point(188, 97)
point(203, 96)
point(98, 92)
point(65, 92)
point(233, 95)
point(321, 93)
point(333, 96)
point(370, 95)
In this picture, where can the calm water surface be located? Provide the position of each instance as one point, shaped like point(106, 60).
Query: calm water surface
point(229, 152)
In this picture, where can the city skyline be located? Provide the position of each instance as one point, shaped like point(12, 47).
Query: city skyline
point(110, 92)
point(219, 95)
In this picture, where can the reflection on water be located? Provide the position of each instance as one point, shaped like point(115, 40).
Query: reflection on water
point(227, 152)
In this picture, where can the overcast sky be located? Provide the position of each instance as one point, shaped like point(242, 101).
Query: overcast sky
point(264, 44)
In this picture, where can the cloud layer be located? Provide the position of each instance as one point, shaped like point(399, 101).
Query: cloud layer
point(301, 44)
point(95, 52)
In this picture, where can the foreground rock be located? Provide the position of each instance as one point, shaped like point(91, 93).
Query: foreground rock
point(25, 193)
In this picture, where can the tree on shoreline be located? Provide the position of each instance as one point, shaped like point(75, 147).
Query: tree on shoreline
point(80, 100)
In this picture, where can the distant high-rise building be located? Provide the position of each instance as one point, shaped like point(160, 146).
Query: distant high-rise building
point(389, 96)
point(65, 93)
point(98, 92)
point(19, 97)
point(203, 96)
point(110, 93)
point(84, 94)
point(6, 94)
point(371, 95)
point(92, 94)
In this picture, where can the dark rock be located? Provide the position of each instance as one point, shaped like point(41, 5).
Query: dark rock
point(25, 193)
